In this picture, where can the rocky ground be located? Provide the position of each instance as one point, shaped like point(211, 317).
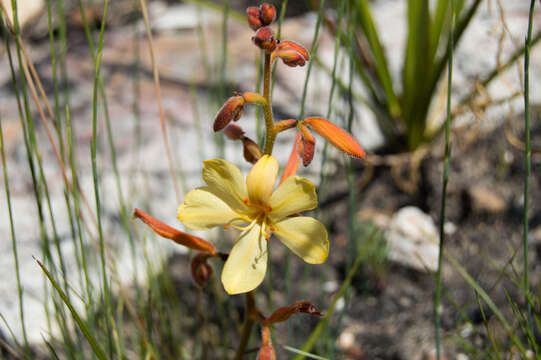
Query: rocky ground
point(391, 318)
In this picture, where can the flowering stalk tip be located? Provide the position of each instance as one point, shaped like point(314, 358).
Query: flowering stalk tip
point(260, 16)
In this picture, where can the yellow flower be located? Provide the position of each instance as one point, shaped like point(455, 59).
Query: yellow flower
point(229, 200)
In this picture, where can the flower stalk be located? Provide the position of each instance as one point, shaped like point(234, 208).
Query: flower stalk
point(249, 309)
point(267, 109)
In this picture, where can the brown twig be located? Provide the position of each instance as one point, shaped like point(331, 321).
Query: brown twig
point(159, 99)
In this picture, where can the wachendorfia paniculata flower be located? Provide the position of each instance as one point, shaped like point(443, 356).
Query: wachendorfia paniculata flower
point(258, 210)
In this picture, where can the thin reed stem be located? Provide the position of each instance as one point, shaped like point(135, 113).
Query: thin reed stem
point(105, 282)
point(437, 295)
point(157, 88)
point(313, 50)
point(249, 308)
point(527, 165)
point(14, 244)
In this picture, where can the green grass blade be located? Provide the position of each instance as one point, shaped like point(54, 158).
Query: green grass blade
point(462, 23)
point(304, 353)
point(437, 295)
point(321, 326)
point(527, 165)
point(93, 151)
point(14, 244)
point(313, 51)
point(417, 68)
point(436, 26)
point(486, 298)
point(96, 348)
point(382, 69)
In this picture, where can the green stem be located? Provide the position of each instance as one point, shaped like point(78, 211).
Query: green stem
point(527, 163)
point(267, 110)
point(249, 308)
point(437, 295)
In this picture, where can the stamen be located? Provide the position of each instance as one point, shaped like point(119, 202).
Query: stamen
point(266, 231)
point(245, 228)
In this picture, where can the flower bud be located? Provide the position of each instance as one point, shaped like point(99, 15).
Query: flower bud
point(231, 110)
point(254, 17)
point(264, 39)
point(291, 53)
point(201, 271)
point(233, 132)
point(308, 145)
point(336, 136)
point(268, 13)
point(251, 151)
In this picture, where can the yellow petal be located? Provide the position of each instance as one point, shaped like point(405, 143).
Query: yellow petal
point(246, 265)
point(305, 236)
point(203, 210)
point(294, 195)
point(226, 181)
point(260, 181)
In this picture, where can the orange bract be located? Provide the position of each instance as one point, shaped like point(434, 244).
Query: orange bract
point(294, 160)
point(336, 136)
point(182, 238)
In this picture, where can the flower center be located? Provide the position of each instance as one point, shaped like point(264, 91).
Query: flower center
point(260, 208)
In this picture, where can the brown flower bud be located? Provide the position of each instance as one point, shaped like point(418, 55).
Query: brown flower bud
point(308, 145)
point(201, 271)
point(254, 17)
point(291, 53)
point(268, 13)
point(231, 110)
point(251, 151)
point(233, 132)
point(264, 39)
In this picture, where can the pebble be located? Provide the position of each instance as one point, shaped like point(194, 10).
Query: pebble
point(413, 239)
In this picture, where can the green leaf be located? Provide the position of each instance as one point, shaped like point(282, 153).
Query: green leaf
point(98, 351)
point(417, 69)
point(370, 32)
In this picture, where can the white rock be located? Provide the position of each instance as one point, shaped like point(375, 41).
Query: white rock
point(27, 10)
point(413, 239)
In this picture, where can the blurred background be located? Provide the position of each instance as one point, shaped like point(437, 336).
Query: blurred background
point(378, 69)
